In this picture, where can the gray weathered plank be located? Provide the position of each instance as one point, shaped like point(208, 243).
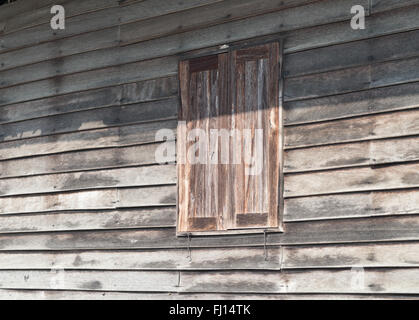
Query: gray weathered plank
point(88, 220)
point(91, 119)
point(394, 124)
point(106, 77)
point(373, 152)
point(21, 294)
point(178, 43)
point(175, 259)
point(90, 199)
point(398, 97)
point(42, 13)
point(97, 179)
point(352, 79)
point(296, 233)
point(217, 13)
point(391, 47)
point(129, 93)
point(292, 257)
point(392, 21)
point(360, 205)
point(388, 5)
point(91, 139)
point(151, 281)
point(96, 20)
point(352, 180)
point(81, 160)
point(326, 281)
point(365, 255)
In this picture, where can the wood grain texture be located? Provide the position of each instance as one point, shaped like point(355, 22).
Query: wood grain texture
point(82, 161)
point(292, 257)
point(394, 124)
point(92, 139)
point(353, 79)
point(391, 47)
point(174, 259)
point(129, 93)
point(403, 202)
point(386, 23)
point(373, 152)
point(366, 102)
point(91, 119)
point(366, 255)
point(105, 77)
point(352, 180)
point(96, 20)
point(89, 220)
point(21, 294)
point(326, 281)
point(388, 5)
point(120, 177)
point(367, 229)
point(41, 14)
point(179, 43)
point(90, 199)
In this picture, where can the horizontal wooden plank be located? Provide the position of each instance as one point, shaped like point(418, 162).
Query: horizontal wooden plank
point(389, 22)
point(129, 93)
point(92, 119)
point(383, 5)
point(252, 258)
point(176, 259)
point(396, 46)
point(179, 43)
point(91, 139)
point(8, 11)
point(388, 125)
point(84, 42)
point(151, 196)
point(374, 229)
point(96, 20)
point(352, 79)
point(90, 199)
point(82, 160)
point(398, 97)
point(107, 178)
point(352, 205)
point(352, 180)
point(365, 255)
point(42, 13)
point(151, 281)
point(19, 294)
point(217, 13)
point(373, 152)
point(94, 79)
point(326, 281)
point(89, 220)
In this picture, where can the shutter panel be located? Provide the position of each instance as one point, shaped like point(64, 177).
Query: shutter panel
point(255, 107)
point(204, 88)
point(238, 93)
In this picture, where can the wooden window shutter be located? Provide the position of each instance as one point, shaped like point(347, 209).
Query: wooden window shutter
point(204, 91)
point(236, 92)
point(254, 91)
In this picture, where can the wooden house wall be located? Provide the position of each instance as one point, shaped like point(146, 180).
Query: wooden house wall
point(80, 189)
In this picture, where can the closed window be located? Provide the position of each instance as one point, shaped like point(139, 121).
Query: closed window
point(229, 141)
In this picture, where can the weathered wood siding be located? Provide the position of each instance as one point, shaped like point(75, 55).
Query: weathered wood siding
point(80, 189)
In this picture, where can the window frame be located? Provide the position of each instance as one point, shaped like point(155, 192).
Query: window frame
point(227, 48)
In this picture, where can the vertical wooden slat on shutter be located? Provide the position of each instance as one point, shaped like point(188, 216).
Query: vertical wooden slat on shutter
point(255, 105)
point(203, 92)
